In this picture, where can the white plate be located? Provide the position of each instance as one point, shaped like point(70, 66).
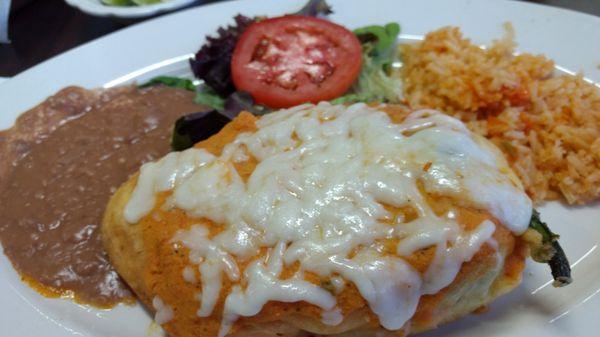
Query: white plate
point(162, 45)
point(97, 8)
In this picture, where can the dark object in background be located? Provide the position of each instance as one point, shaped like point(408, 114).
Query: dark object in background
point(41, 29)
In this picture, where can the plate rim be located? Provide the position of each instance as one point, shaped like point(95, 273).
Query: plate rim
point(19, 83)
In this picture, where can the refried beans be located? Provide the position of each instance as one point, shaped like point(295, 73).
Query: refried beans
point(59, 165)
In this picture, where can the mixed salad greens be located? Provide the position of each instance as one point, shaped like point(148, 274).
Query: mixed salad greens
point(212, 66)
point(217, 90)
point(375, 83)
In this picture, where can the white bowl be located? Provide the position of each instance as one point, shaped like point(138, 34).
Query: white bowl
point(96, 8)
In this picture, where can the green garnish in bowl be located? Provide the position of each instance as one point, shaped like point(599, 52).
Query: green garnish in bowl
point(126, 3)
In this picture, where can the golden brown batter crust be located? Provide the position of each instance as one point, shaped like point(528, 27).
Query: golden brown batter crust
point(152, 265)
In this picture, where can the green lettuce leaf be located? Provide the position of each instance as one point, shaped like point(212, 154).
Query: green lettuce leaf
point(118, 2)
point(146, 2)
point(208, 97)
point(355, 98)
point(174, 82)
point(375, 82)
point(382, 38)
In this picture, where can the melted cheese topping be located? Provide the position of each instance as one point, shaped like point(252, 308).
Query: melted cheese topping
point(164, 313)
point(317, 197)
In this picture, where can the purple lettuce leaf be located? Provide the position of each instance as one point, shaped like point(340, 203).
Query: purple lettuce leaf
point(212, 62)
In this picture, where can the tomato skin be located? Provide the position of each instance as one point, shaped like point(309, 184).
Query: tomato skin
point(338, 61)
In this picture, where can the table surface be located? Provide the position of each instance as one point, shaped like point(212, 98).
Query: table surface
point(40, 29)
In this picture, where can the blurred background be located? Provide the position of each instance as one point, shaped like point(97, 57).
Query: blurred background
point(40, 29)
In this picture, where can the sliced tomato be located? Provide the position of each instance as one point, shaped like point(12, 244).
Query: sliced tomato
point(295, 59)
